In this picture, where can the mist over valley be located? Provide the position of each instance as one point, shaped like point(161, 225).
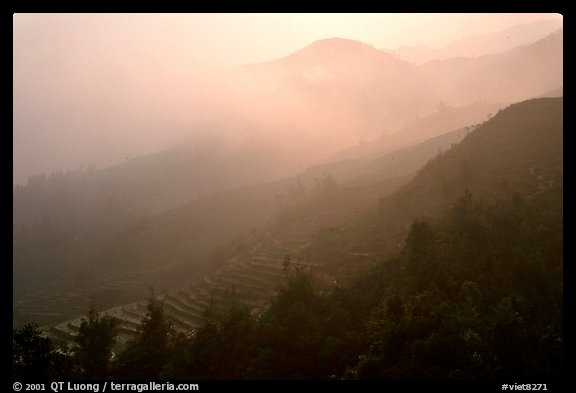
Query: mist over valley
point(342, 191)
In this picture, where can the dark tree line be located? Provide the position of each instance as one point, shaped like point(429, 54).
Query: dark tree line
point(473, 294)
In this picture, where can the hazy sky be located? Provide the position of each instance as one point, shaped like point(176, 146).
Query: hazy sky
point(234, 39)
point(97, 88)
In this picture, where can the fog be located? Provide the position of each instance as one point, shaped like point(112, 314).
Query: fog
point(268, 163)
point(103, 88)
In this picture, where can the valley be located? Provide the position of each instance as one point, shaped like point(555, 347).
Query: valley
point(339, 212)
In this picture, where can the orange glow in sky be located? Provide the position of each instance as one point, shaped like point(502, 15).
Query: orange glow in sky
point(86, 84)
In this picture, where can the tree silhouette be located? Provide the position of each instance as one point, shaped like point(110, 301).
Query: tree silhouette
point(145, 356)
point(96, 338)
point(34, 357)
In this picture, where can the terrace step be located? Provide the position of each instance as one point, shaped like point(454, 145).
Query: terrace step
point(192, 302)
point(174, 301)
point(250, 279)
point(245, 284)
point(181, 316)
point(254, 277)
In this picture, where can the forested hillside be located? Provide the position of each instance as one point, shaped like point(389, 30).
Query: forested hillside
point(456, 275)
point(115, 257)
point(158, 218)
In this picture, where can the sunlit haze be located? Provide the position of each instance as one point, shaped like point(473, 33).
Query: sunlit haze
point(288, 196)
point(103, 88)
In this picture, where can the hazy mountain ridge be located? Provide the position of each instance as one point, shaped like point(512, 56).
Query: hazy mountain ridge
point(508, 78)
point(516, 155)
point(79, 222)
point(521, 73)
point(358, 86)
point(445, 118)
point(480, 44)
point(186, 237)
point(373, 95)
point(519, 150)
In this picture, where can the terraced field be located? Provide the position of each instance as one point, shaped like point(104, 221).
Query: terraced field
point(251, 279)
point(46, 308)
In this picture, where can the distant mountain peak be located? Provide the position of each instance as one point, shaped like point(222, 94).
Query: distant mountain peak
point(342, 51)
point(339, 43)
point(333, 48)
point(475, 45)
point(335, 53)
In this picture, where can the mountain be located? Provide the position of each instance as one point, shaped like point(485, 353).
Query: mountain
point(481, 44)
point(175, 246)
point(519, 150)
point(160, 217)
point(353, 94)
point(519, 74)
point(504, 175)
point(415, 54)
point(559, 92)
point(523, 73)
point(344, 86)
point(446, 117)
point(66, 226)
